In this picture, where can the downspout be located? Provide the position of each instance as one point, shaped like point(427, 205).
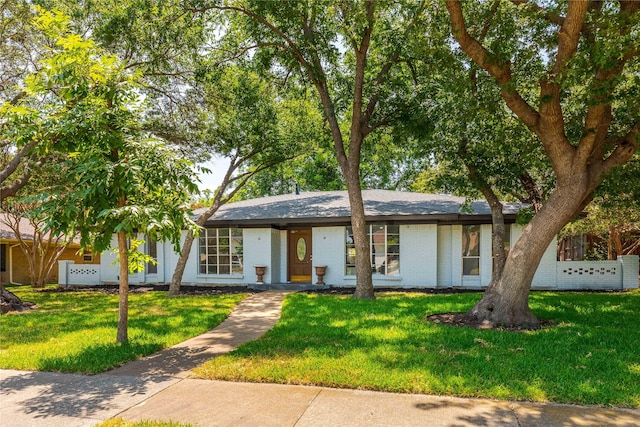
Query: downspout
point(11, 265)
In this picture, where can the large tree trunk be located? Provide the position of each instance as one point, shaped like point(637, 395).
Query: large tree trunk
point(497, 240)
point(506, 300)
point(578, 165)
point(11, 302)
point(123, 306)
point(364, 279)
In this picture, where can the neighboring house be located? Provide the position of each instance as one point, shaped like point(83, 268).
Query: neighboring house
point(416, 240)
point(14, 263)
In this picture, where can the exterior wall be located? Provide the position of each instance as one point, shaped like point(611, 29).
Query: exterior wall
point(546, 273)
point(329, 250)
point(18, 262)
point(276, 255)
point(257, 251)
point(445, 258)
point(430, 256)
point(486, 256)
point(160, 276)
point(109, 268)
point(630, 267)
point(283, 255)
point(419, 255)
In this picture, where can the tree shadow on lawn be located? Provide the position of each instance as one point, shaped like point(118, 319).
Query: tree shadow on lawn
point(533, 365)
point(98, 358)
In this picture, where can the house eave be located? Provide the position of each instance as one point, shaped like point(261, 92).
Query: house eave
point(285, 223)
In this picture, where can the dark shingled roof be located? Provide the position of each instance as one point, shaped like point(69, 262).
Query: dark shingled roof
point(332, 207)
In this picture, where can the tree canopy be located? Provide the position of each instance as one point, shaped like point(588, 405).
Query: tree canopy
point(116, 178)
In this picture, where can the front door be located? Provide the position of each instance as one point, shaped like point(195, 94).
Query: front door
point(299, 250)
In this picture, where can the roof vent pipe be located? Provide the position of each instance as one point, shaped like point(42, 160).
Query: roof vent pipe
point(297, 189)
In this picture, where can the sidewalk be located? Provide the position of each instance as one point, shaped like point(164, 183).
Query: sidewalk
point(156, 388)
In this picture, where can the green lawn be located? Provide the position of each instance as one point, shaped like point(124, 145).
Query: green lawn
point(590, 356)
point(76, 331)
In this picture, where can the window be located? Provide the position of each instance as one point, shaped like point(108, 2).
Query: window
point(571, 248)
point(384, 246)
point(470, 250)
point(87, 256)
point(221, 251)
point(3, 257)
point(152, 251)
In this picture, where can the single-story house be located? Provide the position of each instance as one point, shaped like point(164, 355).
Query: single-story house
point(416, 240)
point(14, 264)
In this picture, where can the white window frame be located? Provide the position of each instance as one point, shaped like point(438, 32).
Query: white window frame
point(469, 255)
point(87, 256)
point(377, 268)
point(151, 267)
point(219, 259)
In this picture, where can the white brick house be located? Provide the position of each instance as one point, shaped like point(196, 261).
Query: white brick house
point(416, 240)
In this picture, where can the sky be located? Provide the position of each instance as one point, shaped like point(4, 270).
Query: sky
point(211, 181)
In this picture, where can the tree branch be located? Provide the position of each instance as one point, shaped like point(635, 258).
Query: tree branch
point(501, 72)
point(625, 148)
point(17, 160)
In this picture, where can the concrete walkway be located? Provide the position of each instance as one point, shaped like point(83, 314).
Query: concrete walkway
point(156, 388)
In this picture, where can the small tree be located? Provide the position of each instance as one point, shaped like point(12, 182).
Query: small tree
point(117, 180)
point(43, 249)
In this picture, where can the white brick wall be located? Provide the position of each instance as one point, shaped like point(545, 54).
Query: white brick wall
point(430, 256)
point(486, 257)
point(445, 260)
point(329, 250)
point(276, 254)
point(419, 255)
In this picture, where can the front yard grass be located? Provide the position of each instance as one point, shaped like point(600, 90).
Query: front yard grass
point(590, 355)
point(76, 331)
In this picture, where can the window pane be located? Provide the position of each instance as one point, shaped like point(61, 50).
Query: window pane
point(393, 265)
point(351, 270)
point(471, 266)
point(351, 259)
point(384, 246)
point(221, 251)
point(349, 236)
point(471, 240)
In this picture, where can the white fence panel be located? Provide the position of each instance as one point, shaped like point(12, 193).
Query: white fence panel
point(589, 275)
point(70, 273)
